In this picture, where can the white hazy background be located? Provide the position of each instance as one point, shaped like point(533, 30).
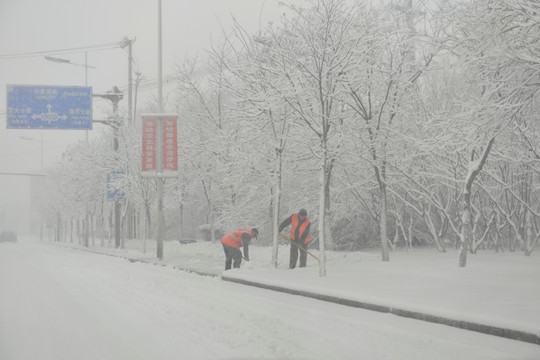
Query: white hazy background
point(29, 26)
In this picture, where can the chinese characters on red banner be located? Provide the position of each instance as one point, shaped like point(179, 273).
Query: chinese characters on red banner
point(150, 142)
point(170, 158)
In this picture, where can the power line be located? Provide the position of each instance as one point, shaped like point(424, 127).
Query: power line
point(107, 46)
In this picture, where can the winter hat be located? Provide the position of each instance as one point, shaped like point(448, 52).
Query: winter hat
point(302, 212)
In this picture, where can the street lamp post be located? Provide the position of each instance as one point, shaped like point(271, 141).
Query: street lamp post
point(86, 67)
point(128, 41)
point(41, 170)
point(160, 234)
point(41, 141)
point(114, 97)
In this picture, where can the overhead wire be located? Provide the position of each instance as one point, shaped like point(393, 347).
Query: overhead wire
point(143, 86)
point(90, 48)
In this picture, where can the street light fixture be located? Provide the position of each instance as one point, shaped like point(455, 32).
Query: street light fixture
point(50, 58)
point(66, 61)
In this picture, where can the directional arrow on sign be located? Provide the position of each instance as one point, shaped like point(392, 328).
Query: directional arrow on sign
point(49, 116)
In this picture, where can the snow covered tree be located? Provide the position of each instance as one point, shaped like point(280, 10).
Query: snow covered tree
point(311, 53)
point(381, 86)
point(498, 84)
point(264, 114)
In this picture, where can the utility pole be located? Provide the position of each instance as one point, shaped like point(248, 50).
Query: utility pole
point(86, 210)
point(130, 84)
point(40, 182)
point(160, 217)
point(128, 41)
point(115, 96)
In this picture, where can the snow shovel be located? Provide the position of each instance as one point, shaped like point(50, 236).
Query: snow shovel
point(302, 248)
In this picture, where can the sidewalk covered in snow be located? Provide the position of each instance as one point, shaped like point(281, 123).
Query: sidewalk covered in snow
point(497, 293)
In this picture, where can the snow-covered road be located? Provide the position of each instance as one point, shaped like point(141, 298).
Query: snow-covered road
point(57, 303)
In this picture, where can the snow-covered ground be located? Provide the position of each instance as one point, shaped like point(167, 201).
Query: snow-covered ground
point(61, 303)
point(499, 289)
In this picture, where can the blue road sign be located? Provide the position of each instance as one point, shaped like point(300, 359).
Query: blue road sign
point(49, 107)
point(115, 188)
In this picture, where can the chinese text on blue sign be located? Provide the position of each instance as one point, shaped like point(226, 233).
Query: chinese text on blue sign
point(49, 107)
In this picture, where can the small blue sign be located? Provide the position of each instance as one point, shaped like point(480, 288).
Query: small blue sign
point(49, 107)
point(115, 189)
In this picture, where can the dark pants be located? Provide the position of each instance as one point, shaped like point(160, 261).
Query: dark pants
point(294, 255)
point(232, 253)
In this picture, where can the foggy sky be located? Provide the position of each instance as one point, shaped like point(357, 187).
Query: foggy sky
point(28, 26)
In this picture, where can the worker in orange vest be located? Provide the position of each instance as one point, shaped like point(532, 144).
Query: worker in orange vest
point(233, 241)
point(299, 236)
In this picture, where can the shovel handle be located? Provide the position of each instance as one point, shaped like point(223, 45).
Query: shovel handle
point(301, 248)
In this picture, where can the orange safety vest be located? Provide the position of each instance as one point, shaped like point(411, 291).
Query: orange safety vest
point(234, 238)
point(294, 223)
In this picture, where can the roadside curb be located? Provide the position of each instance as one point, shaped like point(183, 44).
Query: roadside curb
point(466, 325)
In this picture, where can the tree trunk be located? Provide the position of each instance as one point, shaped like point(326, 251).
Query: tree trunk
point(322, 208)
point(276, 201)
point(433, 231)
point(181, 229)
point(328, 238)
point(92, 229)
point(382, 224)
point(467, 228)
point(466, 233)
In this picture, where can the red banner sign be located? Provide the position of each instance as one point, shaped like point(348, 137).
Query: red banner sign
point(149, 137)
point(170, 145)
point(158, 144)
